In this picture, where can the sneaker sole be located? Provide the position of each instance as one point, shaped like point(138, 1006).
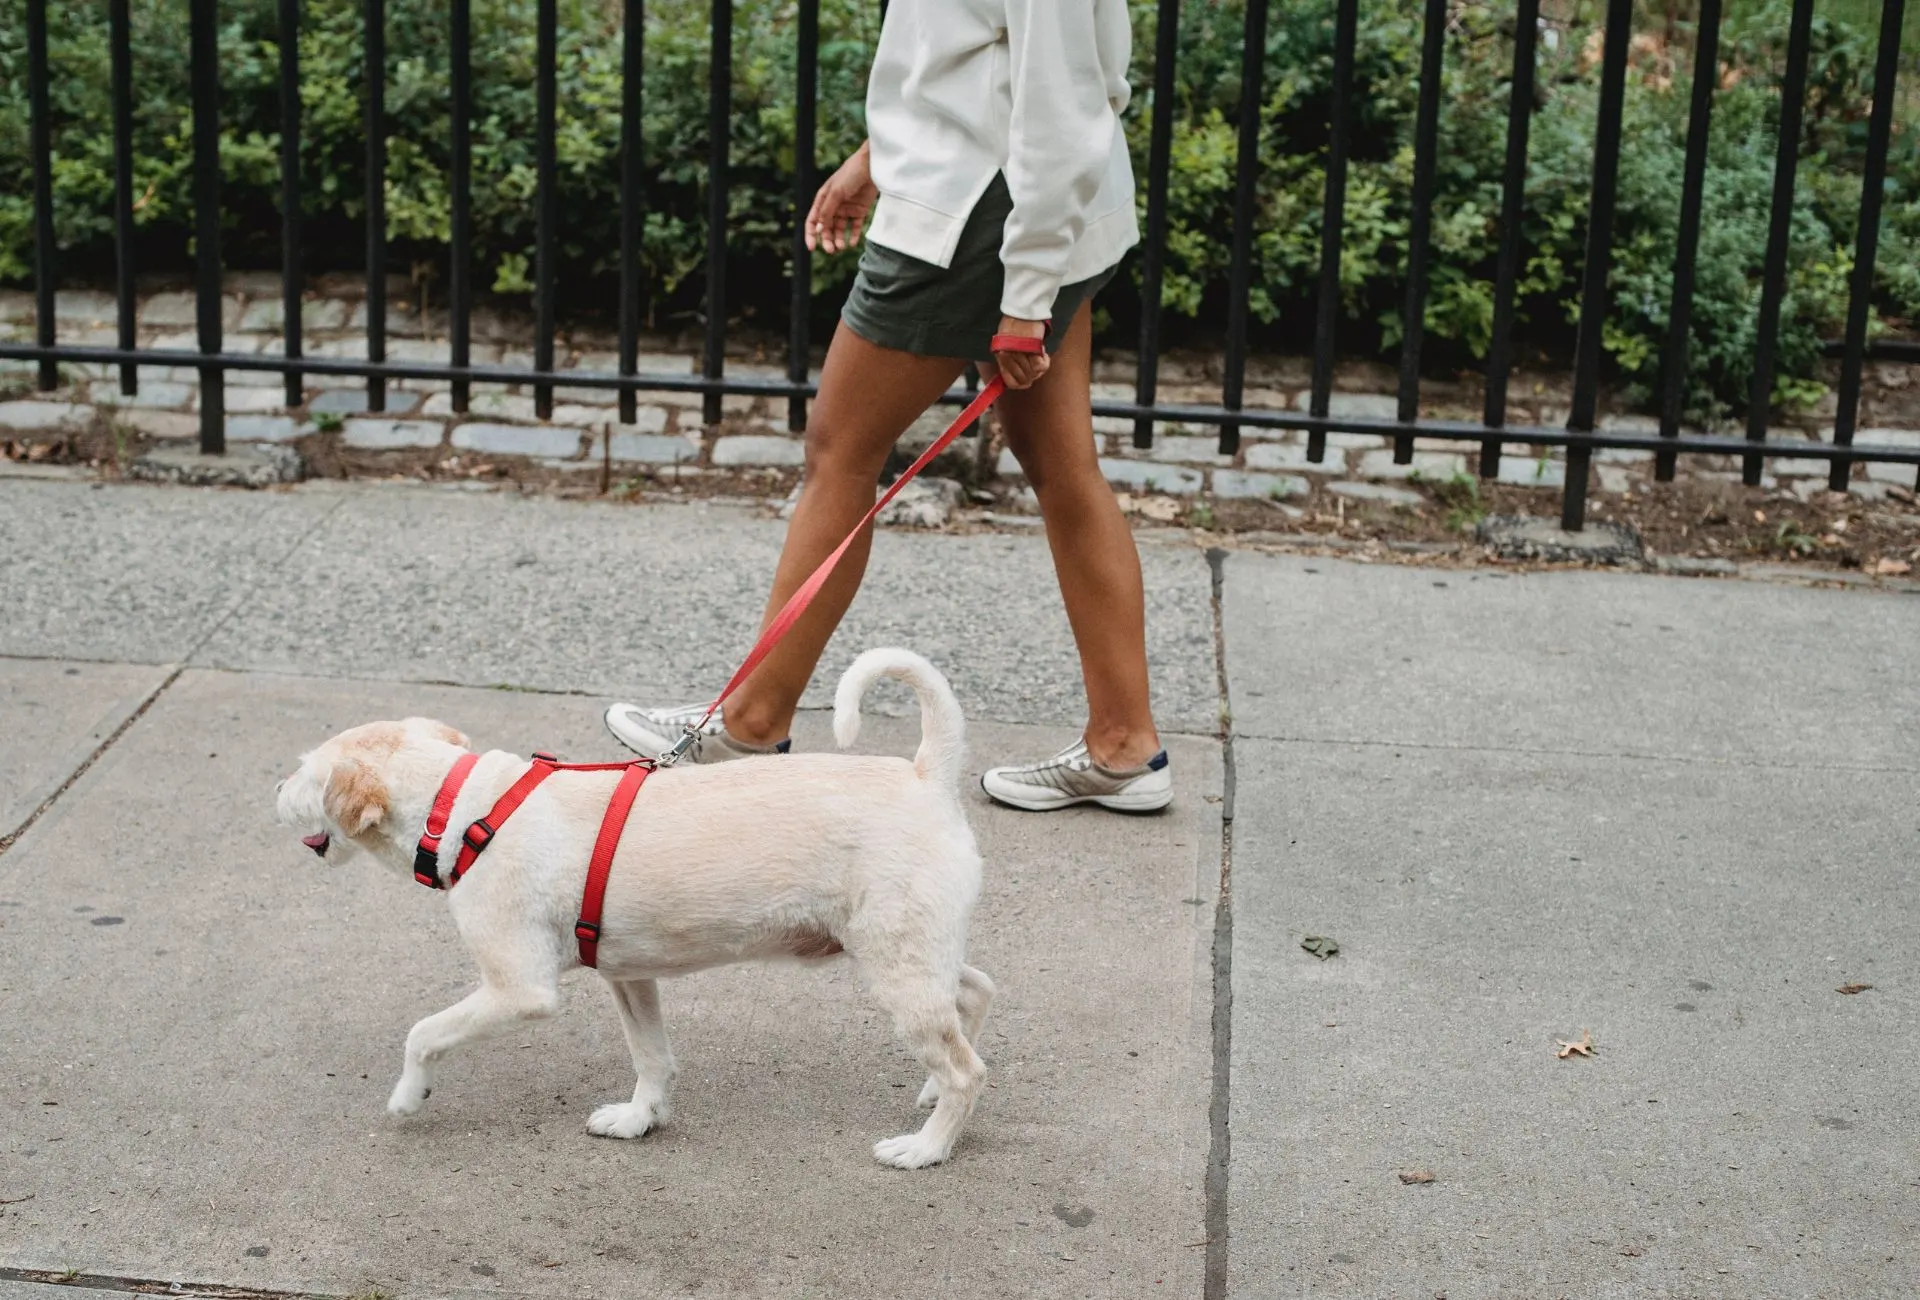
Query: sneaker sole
point(1142, 802)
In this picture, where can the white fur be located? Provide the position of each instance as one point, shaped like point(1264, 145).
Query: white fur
point(789, 857)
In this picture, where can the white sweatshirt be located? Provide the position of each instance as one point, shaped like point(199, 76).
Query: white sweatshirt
point(962, 89)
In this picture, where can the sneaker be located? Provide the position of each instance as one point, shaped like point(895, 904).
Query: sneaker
point(650, 733)
point(1072, 777)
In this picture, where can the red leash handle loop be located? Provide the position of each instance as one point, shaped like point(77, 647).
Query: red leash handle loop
point(1020, 342)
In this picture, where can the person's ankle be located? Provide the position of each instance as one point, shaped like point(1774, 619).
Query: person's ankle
point(1122, 751)
point(754, 729)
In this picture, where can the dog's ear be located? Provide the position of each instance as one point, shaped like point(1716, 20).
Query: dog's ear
point(357, 799)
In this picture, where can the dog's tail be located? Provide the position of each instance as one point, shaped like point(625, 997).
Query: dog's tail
point(942, 727)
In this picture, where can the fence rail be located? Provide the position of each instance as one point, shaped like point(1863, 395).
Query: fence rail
point(1579, 436)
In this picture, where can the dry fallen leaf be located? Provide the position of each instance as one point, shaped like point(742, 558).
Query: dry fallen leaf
point(1584, 1046)
point(1411, 1176)
point(1892, 568)
point(1851, 989)
point(1320, 946)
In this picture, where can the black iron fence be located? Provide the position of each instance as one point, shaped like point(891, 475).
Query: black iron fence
point(1579, 437)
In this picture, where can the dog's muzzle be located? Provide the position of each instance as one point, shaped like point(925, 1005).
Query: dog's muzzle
point(318, 842)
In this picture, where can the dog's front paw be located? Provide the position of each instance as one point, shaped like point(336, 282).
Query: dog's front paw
point(408, 1097)
point(909, 1151)
point(626, 1119)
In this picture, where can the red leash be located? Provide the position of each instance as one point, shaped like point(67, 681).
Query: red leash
point(797, 603)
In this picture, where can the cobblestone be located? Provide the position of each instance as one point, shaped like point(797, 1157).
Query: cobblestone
point(376, 434)
point(1427, 464)
point(759, 449)
point(161, 395)
point(253, 399)
point(159, 424)
point(1142, 476)
point(518, 440)
point(652, 448)
point(263, 428)
point(503, 406)
point(1523, 472)
point(1380, 492)
point(353, 401)
point(37, 415)
point(1196, 451)
point(1293, 456)
point(1234, 484)
point(1355, 406)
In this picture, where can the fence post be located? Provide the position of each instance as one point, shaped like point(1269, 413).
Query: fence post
point(1246, 164)
point(1593, 288)
point(719, 124)
point(1153, 252)
point(204, 21)
point(42, 150)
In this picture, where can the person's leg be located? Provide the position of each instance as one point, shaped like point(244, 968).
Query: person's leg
point(869, 395)
point(1049, 429)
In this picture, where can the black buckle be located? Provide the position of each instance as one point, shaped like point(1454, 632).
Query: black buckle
point(542, 756)
point(478, 836)
point(586, 930)
point(426, 866)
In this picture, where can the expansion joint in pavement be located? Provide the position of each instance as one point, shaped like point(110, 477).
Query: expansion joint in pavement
point(144, 1286)
point(1219, 1153)
point(12, 837)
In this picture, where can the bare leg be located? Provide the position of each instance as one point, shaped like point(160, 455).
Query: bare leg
point(486, 1012)
point(868, 397)
point(1049, 429)
point(653, 1064)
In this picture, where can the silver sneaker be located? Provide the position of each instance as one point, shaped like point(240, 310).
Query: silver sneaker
point(1072, 777)
point(652, 732)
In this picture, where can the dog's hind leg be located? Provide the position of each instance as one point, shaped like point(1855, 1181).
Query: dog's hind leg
point(928, 1017)
point(486, 1012)
point(976, 994)
point(653, 1064)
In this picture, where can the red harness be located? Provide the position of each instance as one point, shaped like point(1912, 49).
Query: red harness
point(474, 840)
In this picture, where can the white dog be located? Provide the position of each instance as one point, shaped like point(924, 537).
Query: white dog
point(804, 856)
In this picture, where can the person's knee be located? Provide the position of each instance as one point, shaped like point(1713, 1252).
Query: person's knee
point(839, 454)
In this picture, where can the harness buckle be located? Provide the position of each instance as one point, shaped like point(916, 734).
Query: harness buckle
point(426, 865)
point(478, 836)
point(586, 930)
point(680, 748)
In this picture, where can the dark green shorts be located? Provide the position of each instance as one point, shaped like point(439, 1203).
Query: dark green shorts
point(903, 303)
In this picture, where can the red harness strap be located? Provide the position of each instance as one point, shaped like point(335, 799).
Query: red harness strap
point(587, 928)
point(426, 858)
point(474, 841)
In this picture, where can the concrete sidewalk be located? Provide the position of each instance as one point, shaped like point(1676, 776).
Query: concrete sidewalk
point(1675, 813)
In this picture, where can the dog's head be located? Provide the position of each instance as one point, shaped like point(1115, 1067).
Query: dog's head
point(369, 788)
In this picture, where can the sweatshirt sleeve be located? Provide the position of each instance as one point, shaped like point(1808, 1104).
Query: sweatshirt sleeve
point(1059, 146)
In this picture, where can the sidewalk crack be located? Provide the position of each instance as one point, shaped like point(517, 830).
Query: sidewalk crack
point(1219, 1113)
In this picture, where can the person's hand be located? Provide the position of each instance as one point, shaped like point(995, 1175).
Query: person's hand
point(1022, 369)
point(842, 206)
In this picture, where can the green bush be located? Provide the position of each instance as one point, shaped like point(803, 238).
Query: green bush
point(1293, 139)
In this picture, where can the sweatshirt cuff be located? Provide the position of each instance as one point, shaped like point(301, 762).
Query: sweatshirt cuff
point(1029, 292)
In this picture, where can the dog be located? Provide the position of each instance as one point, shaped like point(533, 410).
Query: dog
point(803, 857)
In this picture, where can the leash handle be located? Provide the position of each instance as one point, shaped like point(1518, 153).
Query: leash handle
point(797, 603)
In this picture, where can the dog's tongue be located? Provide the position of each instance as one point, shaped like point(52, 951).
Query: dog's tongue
point(317, 842)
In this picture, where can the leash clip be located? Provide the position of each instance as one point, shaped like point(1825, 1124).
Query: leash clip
point(680, 748)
